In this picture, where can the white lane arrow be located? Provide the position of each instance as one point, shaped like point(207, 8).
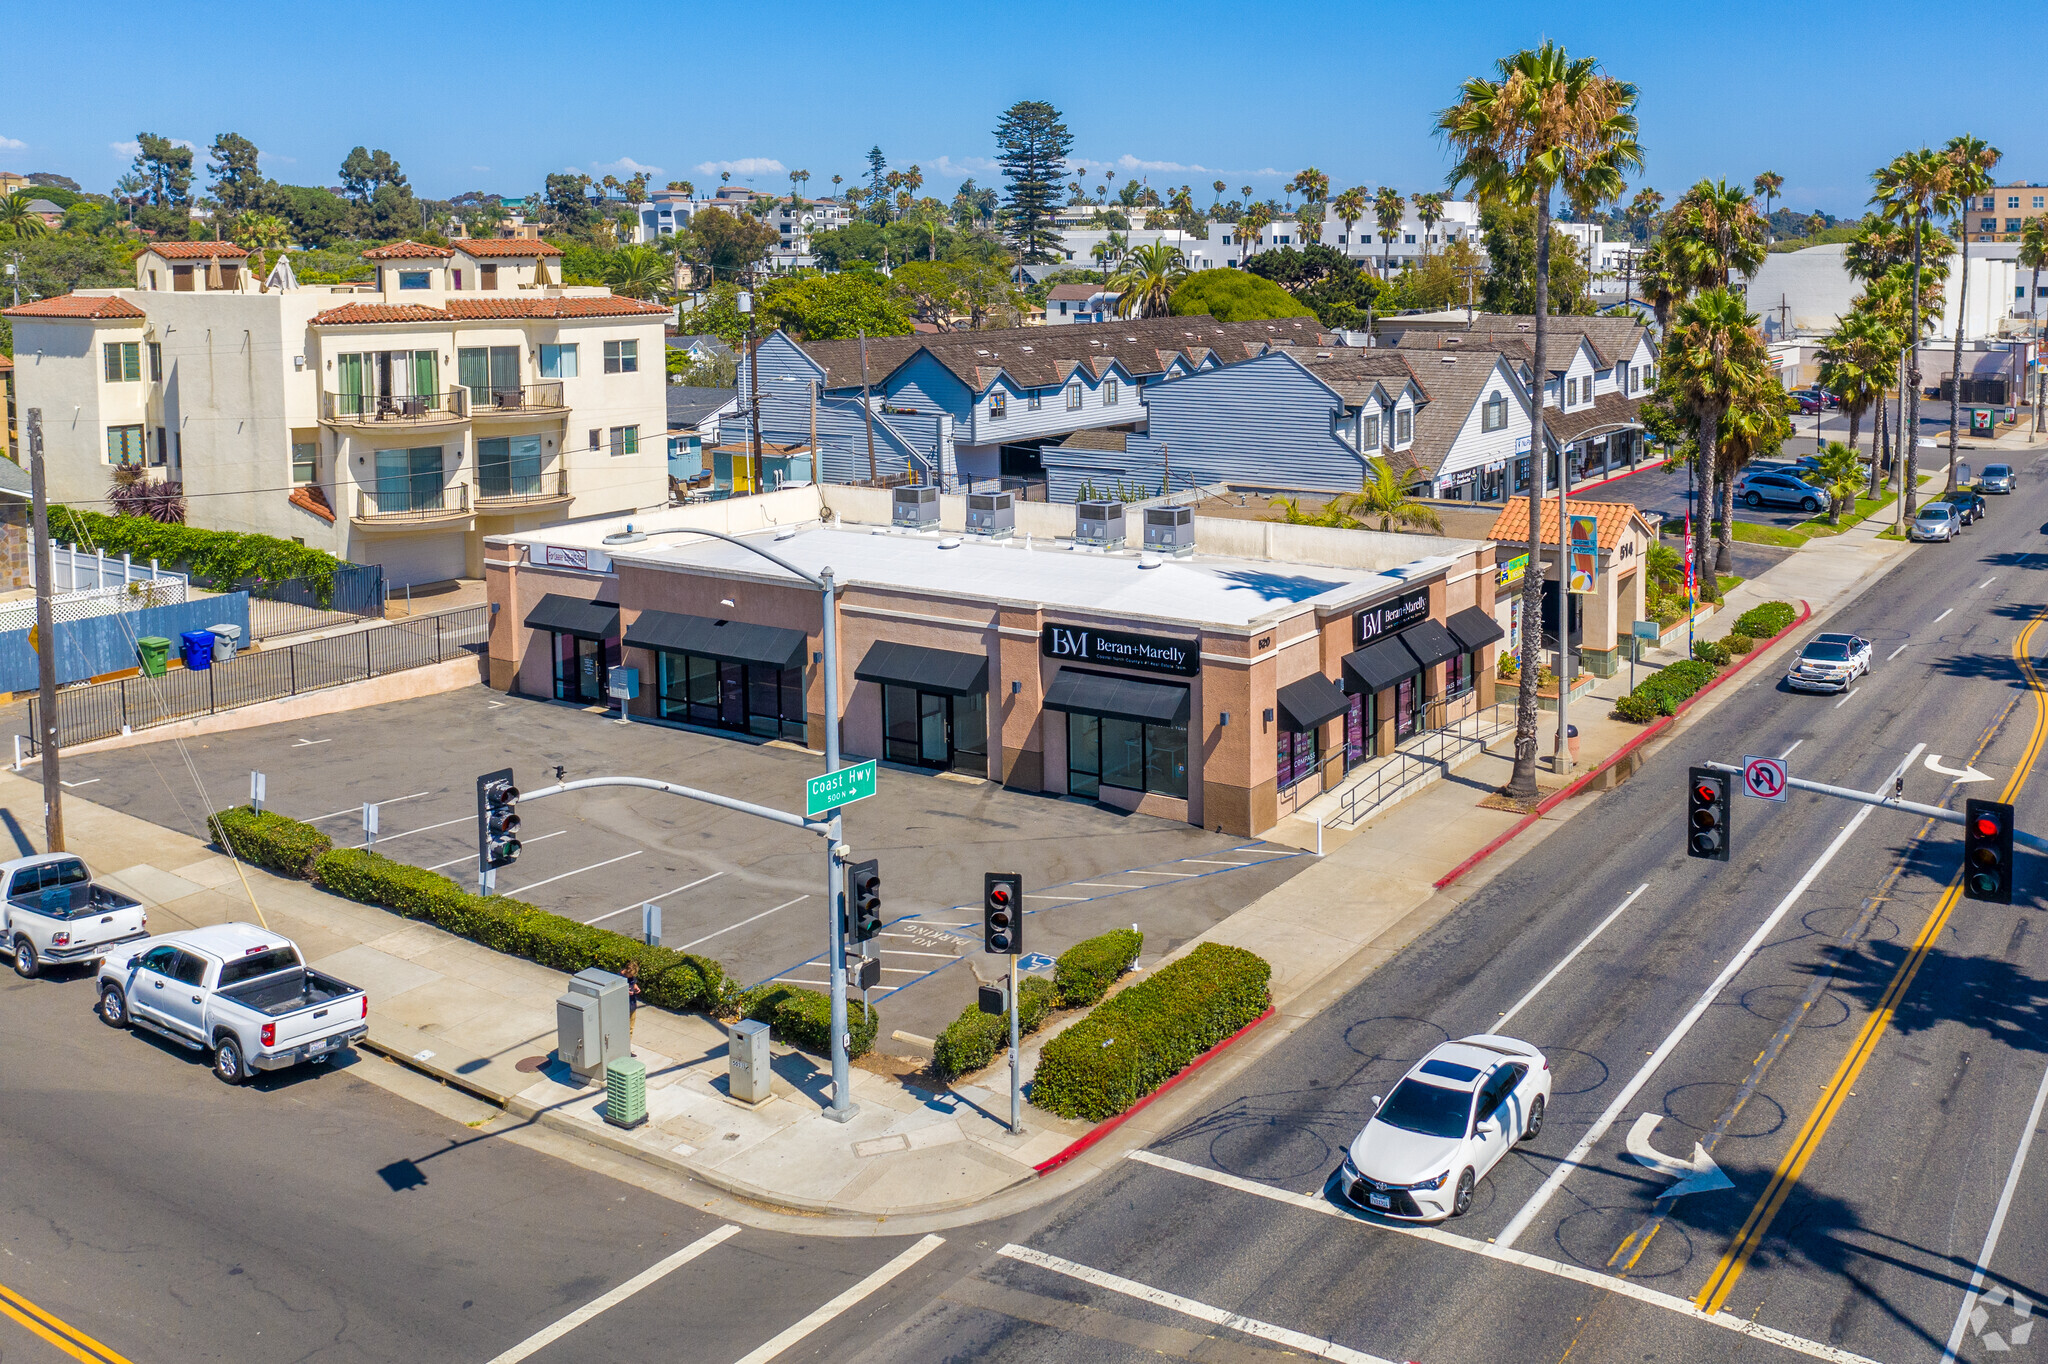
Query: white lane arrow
point(1958, 775)
point(1698, 1175)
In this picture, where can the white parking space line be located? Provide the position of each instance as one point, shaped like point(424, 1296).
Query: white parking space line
point(1943, 616)
point(1788, 752)
point(1140, 871)
point(1200, 1311)
point(1896, 652)
point(1598, 1130)
point(742, 923)
point(900, 952)
point(903, 970)
point(1076, 899)
point(578, 872)
point(652, 1274)
point(2012, 1179)
point(1215, 862)
point(424, 828)
point(655, 899)
point(1847, 699)
point(1103, 885)
point(797, 980)
point(1568, 958)
point(471, 857)
point(357, 810)
point(1987, 582)
point(1436, 1236)
point(866, 1287)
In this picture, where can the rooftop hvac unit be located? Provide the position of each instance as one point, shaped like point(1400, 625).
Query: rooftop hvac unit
point(916, 508)
point(1170, 530)
point(991, 514)
point(1099, 523)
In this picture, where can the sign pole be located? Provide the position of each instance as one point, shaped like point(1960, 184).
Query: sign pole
point(843, 1108)
point(1016, 1089)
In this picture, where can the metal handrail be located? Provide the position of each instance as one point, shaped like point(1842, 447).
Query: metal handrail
point(558, 477)
point(367, 510)
point(513, 399)
point(445, 405)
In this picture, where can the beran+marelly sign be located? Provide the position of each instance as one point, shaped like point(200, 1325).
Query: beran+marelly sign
point(1395, 613)
point(1079, 644)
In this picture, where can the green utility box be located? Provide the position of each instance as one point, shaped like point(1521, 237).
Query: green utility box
point(154, 652)
point(625, 1092)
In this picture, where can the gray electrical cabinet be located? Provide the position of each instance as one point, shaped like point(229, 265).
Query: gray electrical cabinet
point(593, 1023)
point(748, 1076)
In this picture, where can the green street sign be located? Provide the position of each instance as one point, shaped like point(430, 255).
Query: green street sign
point(823, 795)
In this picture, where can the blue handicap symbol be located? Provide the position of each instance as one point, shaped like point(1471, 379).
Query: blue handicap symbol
point(1036, 961)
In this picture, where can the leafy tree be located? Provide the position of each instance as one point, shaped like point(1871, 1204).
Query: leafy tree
point(1912, 191)
point(1325, 281)
point(318, 217)
point(878, 186)
point(567, 201)
point(941, 293)
point(1970, 164)
point(58, 262)
point(237, 182)
point(1511, 258)
point(1032, 145)
point(717, 315)
point(1234, 296)
point(392, 213)
point(840, 247)
point(364, 172)
point(729, 243)
point(833, 307)
point(167, 167)
point(1435, 283)
point(1036, 294)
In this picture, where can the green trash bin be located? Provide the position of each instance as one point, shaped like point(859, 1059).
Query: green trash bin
point(625, 1092)
point(154, 651)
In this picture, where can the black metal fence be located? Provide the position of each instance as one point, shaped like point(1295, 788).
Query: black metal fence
point(105, 709)
point(291, 605)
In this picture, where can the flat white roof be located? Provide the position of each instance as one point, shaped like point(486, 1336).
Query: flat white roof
point(1195, 590)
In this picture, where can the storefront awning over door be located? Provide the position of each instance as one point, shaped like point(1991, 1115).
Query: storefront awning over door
point(1474, 629)
point(1380, 665)
point(911, 665)
point(1120, 698)
point(730, 641)
point(1430, 642)
point(572, 616)
point(1310, 702)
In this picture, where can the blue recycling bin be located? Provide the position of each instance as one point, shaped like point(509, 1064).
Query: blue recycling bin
point(197, 647)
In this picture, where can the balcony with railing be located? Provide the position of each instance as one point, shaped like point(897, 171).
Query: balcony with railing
point(412, 504)
point(522, 400)
point(384, 411)
point(506, 487)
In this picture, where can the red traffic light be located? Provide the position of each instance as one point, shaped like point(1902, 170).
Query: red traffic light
point(1987, 826)
point(999, 894)
point(1705, 793)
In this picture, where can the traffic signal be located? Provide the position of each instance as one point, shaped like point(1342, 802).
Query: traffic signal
point(1002, 912)
point(497, 822)
point(1707, 808)
point(864, 896)
point(1987, 851)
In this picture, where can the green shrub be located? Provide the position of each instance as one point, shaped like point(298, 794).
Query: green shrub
point(218, 558)
point(1660, 693)
point(1636, 709)
point(1711, 651)
point(269, 840)
point(972, 1040)
point(668, 979)
point(1739, 643)
point(1762, 622)
point(803, 1018)
point(1085, 971)
point(1136, 1040)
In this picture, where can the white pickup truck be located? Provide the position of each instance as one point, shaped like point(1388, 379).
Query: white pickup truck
point(239, 991)
point(51, 913)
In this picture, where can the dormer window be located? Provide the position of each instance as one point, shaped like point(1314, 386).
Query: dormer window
point(1369, 431)
point(1404, 427)
point(1493, 415)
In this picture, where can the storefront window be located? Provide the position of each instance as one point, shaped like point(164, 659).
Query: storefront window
point(1299, 755)
point(1458, 675)
point(581, 664)
point(934, 729)
point(1105, 751)
point(748, 698)
point(1354, 728)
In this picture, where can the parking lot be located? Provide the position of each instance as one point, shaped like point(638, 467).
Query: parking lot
point(745, 891)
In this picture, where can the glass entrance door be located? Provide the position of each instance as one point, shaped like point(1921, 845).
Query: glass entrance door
point(1405, 696)
point(935, 730)
point(579, 669)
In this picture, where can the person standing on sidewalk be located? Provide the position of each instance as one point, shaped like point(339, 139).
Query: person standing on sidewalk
point(632, 975)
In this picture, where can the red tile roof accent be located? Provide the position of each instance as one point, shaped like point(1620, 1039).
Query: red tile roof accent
point(314, 500)
point(195, 250)
point(603, 306)
point(98, 306)
point(407, 251)
point(361, 313)
point(483, 247)
point(1614, 518)
point(5, 364)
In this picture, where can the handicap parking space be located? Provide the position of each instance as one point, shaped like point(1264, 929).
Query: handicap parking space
point(745, 891)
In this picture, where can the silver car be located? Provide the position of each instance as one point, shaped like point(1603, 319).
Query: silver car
point(1829, 663)
point(1998, 478)
point(1934, 521)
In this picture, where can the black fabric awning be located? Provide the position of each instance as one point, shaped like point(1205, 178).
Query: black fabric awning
point(911, 665)
point(572, 616)
point(732, 641)
point(1120, 698)
point(1311, 701)
point(1430, 642)
point(1380, 665)
point(1474, 629)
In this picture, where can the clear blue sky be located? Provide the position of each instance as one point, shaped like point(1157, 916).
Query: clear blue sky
point(495, 96)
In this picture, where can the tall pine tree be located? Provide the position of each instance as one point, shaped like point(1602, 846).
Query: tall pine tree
point(1032, 145)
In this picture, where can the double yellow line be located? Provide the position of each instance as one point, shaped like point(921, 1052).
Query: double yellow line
point(67, 1338)
point(1722, 1281)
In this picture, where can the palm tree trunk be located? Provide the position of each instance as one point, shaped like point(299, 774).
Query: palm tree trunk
point(1724, 505)
point(1522, 784)
point(1703, 508)
point(1909, 406)
point(1955, 382)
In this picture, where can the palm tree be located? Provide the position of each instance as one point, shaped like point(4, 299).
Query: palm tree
point(1756, 423)
point(1643, 210)
point(1350, 207)
point(1815, 224)
point(1722, 233)
point(638, 272)
point(1876, 248)
point(1711, 356)
point(1387, 208)
point(1430, 208)
point(1313, 184)
point(18, 221)
point(1856, 365)
point(1250, 224)
point(1767, 186)
point(1543, 122)
point(1110, 251)
point(1911, 191)
point(1837, 467)
point(1219, 186)
point(1384, 497)
point(261, 231)
point(1971, 160)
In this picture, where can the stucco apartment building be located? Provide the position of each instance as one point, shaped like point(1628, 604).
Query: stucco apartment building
point(2004, 212)
point(463, 392)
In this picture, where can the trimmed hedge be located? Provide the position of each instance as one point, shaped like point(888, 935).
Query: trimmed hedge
point(269, 839)
point(803, 1018)
point(1762, 622)
point(1136, 1040)
point(1085, 971)
point(972, 1040)
point(1660, 693)
point(668, 979)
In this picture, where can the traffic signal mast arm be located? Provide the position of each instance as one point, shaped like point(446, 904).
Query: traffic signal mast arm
point(821, 827)
point(1911, 807)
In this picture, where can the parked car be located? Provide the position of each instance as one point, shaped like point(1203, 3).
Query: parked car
point(1818, 398)
point(1934, 521)
point(1998, 478)
point(1780, 488)
point(53, 913)
point(1449, 1120)
point(239, 991)
point(1969, 505)
point(1829, 663)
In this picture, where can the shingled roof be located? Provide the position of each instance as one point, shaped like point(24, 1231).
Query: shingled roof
point(1355, 373)
point(1613, 338)
point(1454, 384)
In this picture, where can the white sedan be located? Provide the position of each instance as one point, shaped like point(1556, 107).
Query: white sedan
point(1450, 1120)
point(1829, 663)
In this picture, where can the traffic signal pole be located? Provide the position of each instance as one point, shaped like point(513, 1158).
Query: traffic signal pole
point(1891, 802)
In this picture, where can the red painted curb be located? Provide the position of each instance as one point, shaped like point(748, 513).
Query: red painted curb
point(1109, 1125)
point(1616, 478)
point(1551, 801)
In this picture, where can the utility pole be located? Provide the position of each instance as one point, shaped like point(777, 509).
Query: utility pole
point(753, 379)
point(867, 407)
point(46, 641)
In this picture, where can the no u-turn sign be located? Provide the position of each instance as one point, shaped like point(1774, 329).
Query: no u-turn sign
point(1764, 778)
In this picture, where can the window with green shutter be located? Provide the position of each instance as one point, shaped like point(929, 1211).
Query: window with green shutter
point(123, 361)
point(124, 444)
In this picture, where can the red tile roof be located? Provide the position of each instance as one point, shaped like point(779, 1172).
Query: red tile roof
point(481, 247)
point(98, 306)
point(195, 250)
point(1614, 518)
point(5, 363)
point(313, 499)
point(602, 306)
point(360, 313)
point(407, 251)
